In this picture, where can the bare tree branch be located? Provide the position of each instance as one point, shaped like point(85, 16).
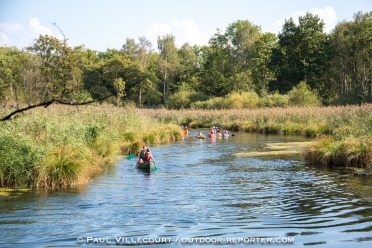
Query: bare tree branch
point(48, 103)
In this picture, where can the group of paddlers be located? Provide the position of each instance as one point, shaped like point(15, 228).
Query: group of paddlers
point(215, 130)
point(144, 155)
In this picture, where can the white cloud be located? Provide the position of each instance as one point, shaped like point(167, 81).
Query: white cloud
point(37, 29)
point(3, 39)
point(16, 34)
point(277, 26)
point(328, 15)
point(157, 29)
point(187, 31)
point(184, 31)
point(8, 27)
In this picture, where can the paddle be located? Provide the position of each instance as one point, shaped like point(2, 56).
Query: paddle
point(129, 157)
point(156, 168)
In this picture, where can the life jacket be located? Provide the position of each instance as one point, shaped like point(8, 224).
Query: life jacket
point(142, 154)
point(147, 157)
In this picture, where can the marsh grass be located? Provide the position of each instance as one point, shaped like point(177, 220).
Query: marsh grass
point(343, 133)
point(62, 146)
point(275, 149)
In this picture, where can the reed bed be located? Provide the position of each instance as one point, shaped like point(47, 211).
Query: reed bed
point(343, 133)
point(64, 146)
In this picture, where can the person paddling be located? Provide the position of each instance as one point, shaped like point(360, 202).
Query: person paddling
point(148, 157)
point(141, 154)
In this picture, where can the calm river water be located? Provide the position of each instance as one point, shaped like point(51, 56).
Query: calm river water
point(200, 196)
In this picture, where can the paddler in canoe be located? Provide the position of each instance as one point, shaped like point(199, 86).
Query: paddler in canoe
point(147, 162)
point(212, 132)
point(141, 154)
point(148, 156)
point(226, 134)
point(199, 135)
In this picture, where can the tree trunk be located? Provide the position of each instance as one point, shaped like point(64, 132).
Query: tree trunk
point(344, 77)
point(355, 77)
point(165, 79)
point(140, 95)
point(370, 81)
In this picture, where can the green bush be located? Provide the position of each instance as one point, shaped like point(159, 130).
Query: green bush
point(233, 100)
point(18, 159)
point(274, 100)
point(198, 96)
point(184, 98)
point(302, 95)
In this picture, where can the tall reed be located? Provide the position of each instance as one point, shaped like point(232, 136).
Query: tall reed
point(344, 132)
point(63, 146)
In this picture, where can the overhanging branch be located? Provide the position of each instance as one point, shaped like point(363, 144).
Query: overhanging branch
point(48, 103)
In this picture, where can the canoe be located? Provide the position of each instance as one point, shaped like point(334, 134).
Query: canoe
point(212, 135)
point(146, 165)
point(200, 137)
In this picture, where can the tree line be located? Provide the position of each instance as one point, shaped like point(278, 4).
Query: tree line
point(336, 67)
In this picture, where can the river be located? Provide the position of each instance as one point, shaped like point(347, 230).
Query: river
point(201, 195)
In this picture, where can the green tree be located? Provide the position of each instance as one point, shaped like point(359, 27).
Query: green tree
point(300, 55)
point(188, 68)
point(351, 67)
point(119, 86)
point(19, 79)
point(216, 66)
point(141, 53)
point(60, 66)
point(262, 52)
point(168, 63)
point(226, 62)
point(100, 79)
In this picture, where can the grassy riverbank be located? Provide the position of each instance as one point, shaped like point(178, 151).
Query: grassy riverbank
point(343, 134)
point(65, 146)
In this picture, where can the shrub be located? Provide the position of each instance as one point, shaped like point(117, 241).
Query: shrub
point(274, 100)
point(233, 100)
point(301, 95)
point(18, 159)
point(178, 100)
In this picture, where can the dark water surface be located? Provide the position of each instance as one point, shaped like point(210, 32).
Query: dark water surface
point(200, 196)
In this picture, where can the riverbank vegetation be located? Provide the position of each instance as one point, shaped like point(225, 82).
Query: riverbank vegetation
point(343, 134)
point(63, 146)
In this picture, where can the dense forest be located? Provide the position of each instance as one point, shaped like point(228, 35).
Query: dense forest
point(241, 67)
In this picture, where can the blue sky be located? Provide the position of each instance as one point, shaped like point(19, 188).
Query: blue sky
point(107, 24)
